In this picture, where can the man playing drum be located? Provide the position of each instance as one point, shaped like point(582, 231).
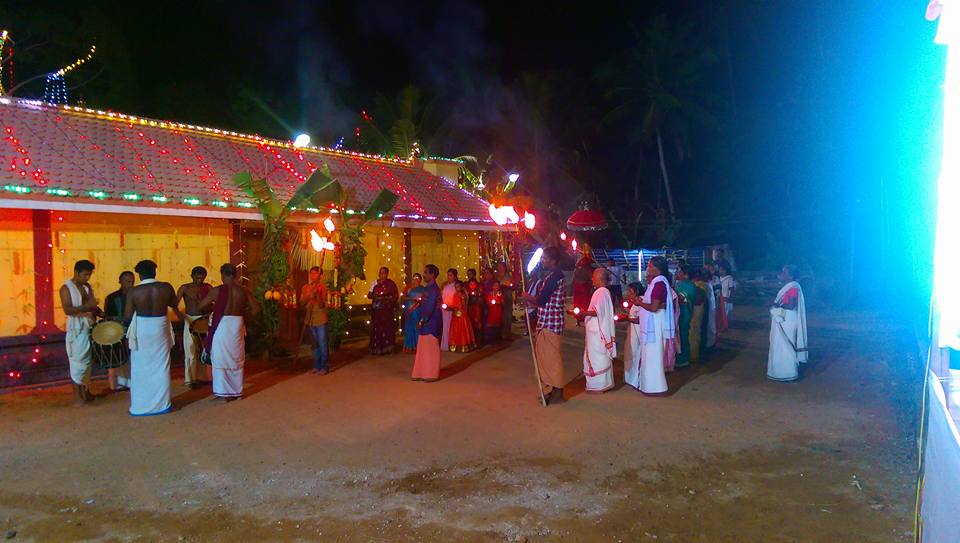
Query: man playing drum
point(80, 306)
point(151, 338)
point(194, 373)
point(113, 308)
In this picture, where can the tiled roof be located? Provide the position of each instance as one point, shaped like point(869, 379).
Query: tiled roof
point(65, 153)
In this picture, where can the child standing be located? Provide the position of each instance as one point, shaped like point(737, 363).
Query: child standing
point(494, 322)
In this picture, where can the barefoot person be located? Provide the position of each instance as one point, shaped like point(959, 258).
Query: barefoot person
point(150, 336)
point(80, 306)
point(225, 341)
point(426, 363)
point(549, 300)
point(192, 293)
point(655, 327)
point(634, 347)
point(788, 329)
point(600, 346)
point(113, 309)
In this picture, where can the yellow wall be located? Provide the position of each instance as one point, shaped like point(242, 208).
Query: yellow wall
point(17, 315)
point(116, 242)
point(445, 249)
point(384, 248)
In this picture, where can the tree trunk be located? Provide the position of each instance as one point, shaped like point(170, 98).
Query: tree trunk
point(666, 177)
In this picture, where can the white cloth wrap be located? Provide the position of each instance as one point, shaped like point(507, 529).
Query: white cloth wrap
point(631, 356)
point(78, 338)
point(647, 325)
point(788, 337)
point(711, 316)
point(227, 357)
point(600, 345)
point(150, 364)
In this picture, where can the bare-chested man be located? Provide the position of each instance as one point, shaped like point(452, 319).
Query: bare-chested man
point(80, 305)
point(225, 343)
point(151, 338)
point(192, 293)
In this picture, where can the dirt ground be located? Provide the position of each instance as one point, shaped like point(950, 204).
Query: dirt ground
point(364, 454)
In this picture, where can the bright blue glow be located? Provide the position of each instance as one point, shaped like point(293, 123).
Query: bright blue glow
point(535, 260)
point(946, 257)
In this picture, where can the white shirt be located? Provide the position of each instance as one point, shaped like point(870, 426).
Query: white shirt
point(726, 285)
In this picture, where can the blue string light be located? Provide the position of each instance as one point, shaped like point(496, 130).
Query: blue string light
point(55, 89)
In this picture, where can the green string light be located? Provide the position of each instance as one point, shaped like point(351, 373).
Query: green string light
point(313, 210)
point(244, 204)
point(218, 203)
point(159, 199)
point(19, 189)
point(192, 201)
point(131, 196)
point(98, 194)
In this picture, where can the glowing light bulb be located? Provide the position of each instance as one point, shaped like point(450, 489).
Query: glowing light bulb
point(302, 140)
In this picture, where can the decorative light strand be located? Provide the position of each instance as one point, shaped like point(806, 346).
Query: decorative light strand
point(77, 63)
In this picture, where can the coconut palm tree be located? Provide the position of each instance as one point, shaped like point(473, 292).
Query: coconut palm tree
point(398, 124)
point(657, 86)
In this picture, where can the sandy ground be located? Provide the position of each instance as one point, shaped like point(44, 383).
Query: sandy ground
point(364, 454)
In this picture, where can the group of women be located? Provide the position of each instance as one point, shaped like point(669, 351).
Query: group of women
point(670, 322)
point(477, 311)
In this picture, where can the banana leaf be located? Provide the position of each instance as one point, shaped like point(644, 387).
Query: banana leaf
point(381, 204)
point(259, 190)
point(319, 180)
point(332, 192)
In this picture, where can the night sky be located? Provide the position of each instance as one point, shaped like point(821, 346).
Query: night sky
point(826, 111)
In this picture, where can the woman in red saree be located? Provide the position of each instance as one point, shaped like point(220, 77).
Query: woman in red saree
point(462, 338)
point(383, 314)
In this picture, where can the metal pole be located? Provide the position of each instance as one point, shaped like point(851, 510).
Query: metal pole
point(526, 317)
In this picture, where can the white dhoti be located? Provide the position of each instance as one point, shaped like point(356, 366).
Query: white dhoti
point(151, 339)
point(653, 377)
point(631, 356)
point(788, 338)
point(79, 353)
point(227, 357)
point(600, 344)
point(193, 370)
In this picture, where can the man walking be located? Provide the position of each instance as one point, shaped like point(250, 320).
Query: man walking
point(549, 299)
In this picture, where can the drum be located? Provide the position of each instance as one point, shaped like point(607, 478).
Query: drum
point(108, 345)
point(200, 327)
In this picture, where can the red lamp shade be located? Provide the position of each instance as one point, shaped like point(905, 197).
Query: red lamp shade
point(586, 219)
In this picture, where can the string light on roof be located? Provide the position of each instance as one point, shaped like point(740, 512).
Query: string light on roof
point(77, 63)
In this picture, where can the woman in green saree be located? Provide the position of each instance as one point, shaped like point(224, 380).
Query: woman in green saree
point(687, 294)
